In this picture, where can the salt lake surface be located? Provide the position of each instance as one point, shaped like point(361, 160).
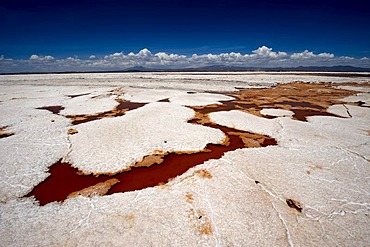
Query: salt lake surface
point(185, 159)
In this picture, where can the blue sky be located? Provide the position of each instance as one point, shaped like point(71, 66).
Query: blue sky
point(56, 30)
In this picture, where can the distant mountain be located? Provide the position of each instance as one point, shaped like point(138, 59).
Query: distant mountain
point(137, 69)
point(224, 68)
point(340, 68)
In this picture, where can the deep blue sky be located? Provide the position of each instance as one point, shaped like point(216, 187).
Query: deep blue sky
point(81, 28)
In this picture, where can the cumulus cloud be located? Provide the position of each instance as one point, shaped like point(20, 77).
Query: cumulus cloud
point(41, 58)
point(261, 57)
point(309, 55)
point(267, 52)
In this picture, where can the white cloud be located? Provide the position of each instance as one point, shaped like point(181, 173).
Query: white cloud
point(267, 52)
point(326, 55)
point(309, 55)
point(303, 55)
point(144, 53)
point(41, 58)
point(260, 57)
point(116, 55)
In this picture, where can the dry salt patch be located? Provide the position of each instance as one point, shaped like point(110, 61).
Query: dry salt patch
point(246, 121)
point(361, 99)
point(200, 99)
point(147, 96)
point(276, 112)
point(88, 105)
point(39, 140)
point(356, 88)
point(340, 110)
point(112, 145)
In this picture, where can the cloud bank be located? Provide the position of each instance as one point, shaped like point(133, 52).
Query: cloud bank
point(263, 57)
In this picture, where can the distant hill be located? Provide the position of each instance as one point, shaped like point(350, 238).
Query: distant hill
point(221, 68)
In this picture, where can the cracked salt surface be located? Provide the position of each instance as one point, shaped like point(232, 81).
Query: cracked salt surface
point(314, 164)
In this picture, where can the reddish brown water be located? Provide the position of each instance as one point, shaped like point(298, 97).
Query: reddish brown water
point(64, 179)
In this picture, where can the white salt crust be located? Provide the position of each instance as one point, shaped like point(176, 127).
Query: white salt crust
point(322, 164)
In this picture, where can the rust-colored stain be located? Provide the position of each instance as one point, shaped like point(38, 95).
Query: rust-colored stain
point(294, 204)
point(119, 110)
point(189, 198)
point(164, 100)
point(72, 131)
point(3, 132)
point(129, 217)
point(54, 109)
point(203, 173)
point(205, 227)
point(312, 168)
point(200, 222)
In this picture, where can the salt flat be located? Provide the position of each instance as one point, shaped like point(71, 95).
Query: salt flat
point(310, 187)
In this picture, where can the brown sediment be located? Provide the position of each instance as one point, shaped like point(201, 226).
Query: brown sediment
point(205, 227)
point(3, 132)
point(202, 223)
point(203, 173)
point(294, 204)
point(54, 109)
point(97, 189)
point(312, 168)
point(304, 99)
point(72, 131)
point(189, 198)
point(164, 100)
point(150, 160)
point(119, 110)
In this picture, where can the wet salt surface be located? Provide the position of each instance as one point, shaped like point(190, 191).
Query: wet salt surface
point(65, 179)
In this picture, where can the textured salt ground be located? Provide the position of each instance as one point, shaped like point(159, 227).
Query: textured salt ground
point(201, 81)
point(203, 210)
point(334, 209)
